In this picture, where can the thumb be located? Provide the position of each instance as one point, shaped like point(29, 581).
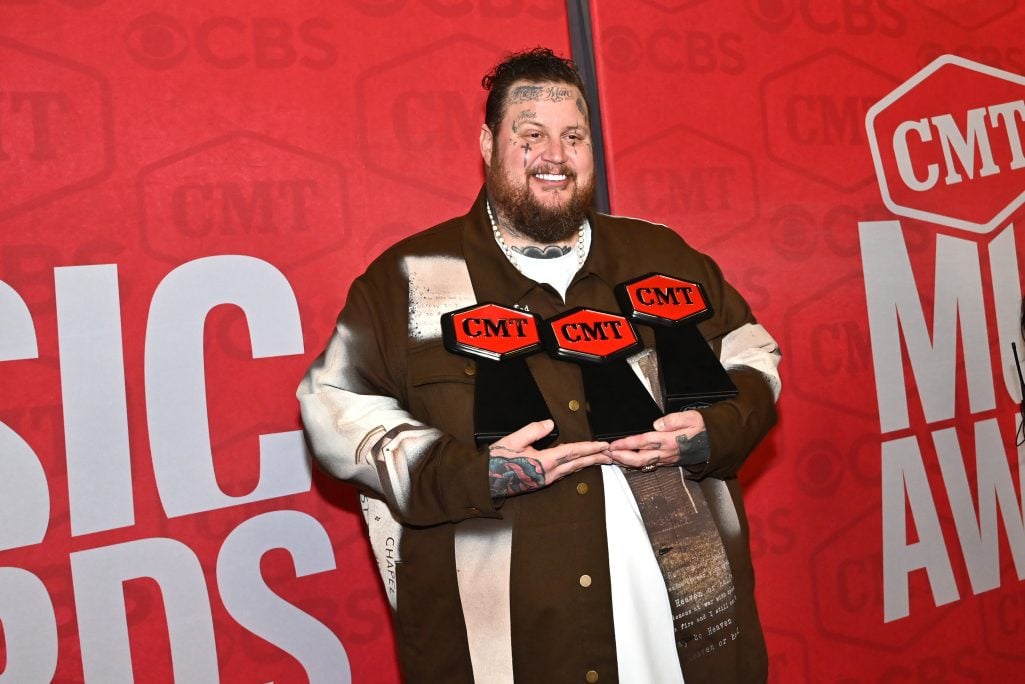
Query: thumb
point(527, 435)
point(679, 421)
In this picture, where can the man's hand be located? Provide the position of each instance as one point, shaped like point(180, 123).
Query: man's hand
point(678, 439)
point(517, 468)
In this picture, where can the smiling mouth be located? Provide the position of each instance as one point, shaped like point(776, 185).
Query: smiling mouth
point(551, 177)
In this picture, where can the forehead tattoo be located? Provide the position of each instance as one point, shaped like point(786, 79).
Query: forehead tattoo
point(552, 93)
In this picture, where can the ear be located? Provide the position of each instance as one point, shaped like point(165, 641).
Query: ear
point(487, 141)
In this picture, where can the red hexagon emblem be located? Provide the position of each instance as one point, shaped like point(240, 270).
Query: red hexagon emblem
point(246, 193)
point(663, 300)
point(57, 135)
point(813, 128)
point(590, 335)
point(402, 115)
point(947, 145)
point(682, 177)
point(491, 331)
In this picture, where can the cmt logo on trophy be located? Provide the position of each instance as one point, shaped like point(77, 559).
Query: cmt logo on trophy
point(663, 299)
point(590, 335)
point(491, 331)
point(499, 338)
point(55, 127)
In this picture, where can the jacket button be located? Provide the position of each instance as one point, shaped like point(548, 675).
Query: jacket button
point(585, 581)
point(470, 370)
point(582, 488)
point(574, 405)
point(591, 677)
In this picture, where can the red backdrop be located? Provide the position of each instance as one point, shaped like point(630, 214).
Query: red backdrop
point(188, 190)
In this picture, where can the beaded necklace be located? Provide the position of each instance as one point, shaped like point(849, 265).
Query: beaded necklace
point(511, 255)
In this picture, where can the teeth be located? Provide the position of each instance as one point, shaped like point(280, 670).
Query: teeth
point(552, 176)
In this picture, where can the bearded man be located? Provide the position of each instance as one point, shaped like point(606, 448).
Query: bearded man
point(617, 559)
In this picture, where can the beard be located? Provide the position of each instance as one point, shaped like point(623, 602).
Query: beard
point(531, 218)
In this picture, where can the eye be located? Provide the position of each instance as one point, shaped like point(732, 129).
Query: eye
point(533, 135)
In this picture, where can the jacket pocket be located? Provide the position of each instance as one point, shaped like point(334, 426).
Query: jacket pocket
point(441, 386)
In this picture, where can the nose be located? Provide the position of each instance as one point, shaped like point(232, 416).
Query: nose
point(555, 152)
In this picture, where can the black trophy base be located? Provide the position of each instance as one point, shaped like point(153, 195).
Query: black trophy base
point(618, 404)
point(505, 399)
point(692, 375)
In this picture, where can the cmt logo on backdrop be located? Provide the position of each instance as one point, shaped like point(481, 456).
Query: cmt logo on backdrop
point(158, 41)
point(244, 193)
point(403, 116)
point(947, 149)
point(960, 164)
point(55, 127)
point(813, 125)
point(849, 592)
point(703, 182)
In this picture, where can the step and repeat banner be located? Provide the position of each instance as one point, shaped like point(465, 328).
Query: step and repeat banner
point(186, 192)
point(188, 189)
point(863, 191)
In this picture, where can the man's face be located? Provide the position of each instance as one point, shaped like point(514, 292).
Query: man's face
point(540, 163)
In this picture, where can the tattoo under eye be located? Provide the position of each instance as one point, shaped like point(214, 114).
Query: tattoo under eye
point(516, 475)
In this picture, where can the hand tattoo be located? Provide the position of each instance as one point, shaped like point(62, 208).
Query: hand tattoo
point(694, 450)
point(516, 475)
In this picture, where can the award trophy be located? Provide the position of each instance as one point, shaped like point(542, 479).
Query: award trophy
point(505, 395)
point(618, 404)
point(691, 373)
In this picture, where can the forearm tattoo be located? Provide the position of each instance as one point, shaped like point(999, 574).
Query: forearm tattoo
point(514, 475)
point(693, 450)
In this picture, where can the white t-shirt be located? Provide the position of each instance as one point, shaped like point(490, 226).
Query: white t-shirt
point(641, 615)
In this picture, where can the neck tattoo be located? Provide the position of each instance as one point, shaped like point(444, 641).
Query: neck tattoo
point(512, 256)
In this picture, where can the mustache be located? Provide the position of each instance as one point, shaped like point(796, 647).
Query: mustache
point(550, 168)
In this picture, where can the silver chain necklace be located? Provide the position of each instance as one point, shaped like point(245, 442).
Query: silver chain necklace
point(511, 255)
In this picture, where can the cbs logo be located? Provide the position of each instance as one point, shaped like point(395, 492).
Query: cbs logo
point(158, 41)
